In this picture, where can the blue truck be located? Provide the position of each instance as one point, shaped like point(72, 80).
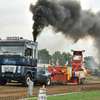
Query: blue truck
point(18, 60)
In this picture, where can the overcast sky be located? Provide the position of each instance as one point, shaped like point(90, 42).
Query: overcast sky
point(16, 20)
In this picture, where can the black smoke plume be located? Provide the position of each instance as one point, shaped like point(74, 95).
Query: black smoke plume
point(66, 17)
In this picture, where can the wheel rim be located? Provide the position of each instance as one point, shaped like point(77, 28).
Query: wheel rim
point(79, 81)
point(28, 80)
point(82, 80)
point(48, 81)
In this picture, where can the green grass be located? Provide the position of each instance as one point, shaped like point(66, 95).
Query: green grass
point(92, 77)
point(94, 95)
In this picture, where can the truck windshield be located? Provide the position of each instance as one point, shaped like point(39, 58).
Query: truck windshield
point(12, 50)
point(77, 57)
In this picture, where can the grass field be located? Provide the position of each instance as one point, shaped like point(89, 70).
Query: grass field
point(94, 95)
point(92, 77)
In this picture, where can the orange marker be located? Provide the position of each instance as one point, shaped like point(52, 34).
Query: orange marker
point(43, 87)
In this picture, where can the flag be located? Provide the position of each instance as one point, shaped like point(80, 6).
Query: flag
point(57, 62)
point(66, 63)
point(49, 62)
point(30, 88)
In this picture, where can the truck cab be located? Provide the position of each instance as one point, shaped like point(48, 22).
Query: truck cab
point(18, 59)
point(77, 60)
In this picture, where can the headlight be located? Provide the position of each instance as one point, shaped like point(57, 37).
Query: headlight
point(19, 69)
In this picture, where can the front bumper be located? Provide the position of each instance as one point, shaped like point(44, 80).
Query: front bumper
point(11, 76)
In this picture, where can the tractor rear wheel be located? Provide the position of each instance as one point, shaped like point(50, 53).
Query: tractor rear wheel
point(79, 81)
point(82, 81)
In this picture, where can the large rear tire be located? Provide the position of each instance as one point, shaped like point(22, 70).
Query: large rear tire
point(3, 82)
point(82, 81)
point(26, 81)
point(79, 81)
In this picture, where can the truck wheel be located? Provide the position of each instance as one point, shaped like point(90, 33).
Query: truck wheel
point(82, 81)
point(79, 81)
point(3, 82)
point(48, 81)
point(26, 81)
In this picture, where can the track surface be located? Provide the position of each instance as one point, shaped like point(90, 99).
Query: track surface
point(15, 91)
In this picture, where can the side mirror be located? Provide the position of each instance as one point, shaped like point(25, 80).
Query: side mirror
point(83, 50)
point(84, 62)
point(72, 50)
point(26, 52)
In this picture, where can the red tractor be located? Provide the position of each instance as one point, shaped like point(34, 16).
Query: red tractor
point(69, 75)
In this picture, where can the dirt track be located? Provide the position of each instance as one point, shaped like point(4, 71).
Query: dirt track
point(14, 91)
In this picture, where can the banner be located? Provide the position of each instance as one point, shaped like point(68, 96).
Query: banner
point(30, 88)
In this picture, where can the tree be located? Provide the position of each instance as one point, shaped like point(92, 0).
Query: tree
point(90, 62)
point(67, 57)
point(43, 56)
point(60, 57)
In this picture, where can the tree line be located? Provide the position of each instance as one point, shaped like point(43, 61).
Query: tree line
point(45, 57)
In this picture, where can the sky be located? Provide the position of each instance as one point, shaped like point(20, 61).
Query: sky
point(16, 20)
